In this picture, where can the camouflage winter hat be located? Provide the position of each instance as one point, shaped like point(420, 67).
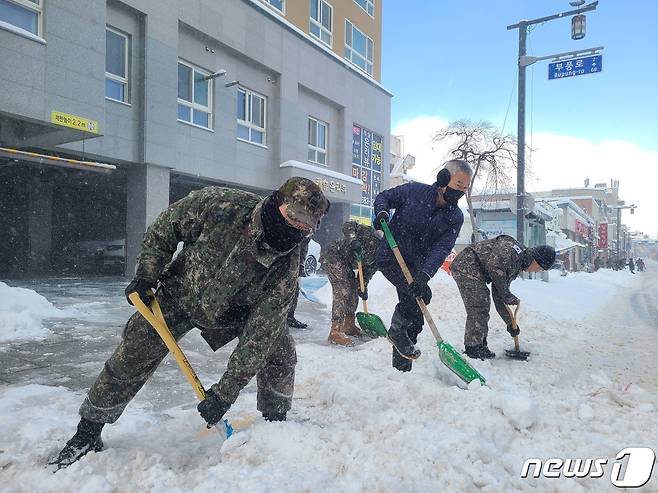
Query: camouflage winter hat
point(306, 202)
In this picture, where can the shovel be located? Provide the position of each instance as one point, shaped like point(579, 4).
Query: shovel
point(515, 353)
point(155, 317)
point(370, 323)
point(447, 354)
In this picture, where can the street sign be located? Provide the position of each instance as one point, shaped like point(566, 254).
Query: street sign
point(575, 66)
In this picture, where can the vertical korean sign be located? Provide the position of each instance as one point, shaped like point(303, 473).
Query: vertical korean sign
point(366, 191)
point(367, 152)
point(603, 235)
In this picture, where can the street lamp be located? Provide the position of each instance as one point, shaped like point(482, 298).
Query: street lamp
point(523, 61)
point(578, 26)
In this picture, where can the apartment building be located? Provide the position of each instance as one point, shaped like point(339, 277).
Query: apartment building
point(111, 110)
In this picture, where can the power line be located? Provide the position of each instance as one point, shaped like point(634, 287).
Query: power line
point(509, 103)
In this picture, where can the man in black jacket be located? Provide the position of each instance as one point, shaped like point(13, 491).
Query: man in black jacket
point(426, 223)
point(497, 261)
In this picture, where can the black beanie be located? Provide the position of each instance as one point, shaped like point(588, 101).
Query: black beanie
point(544, 255)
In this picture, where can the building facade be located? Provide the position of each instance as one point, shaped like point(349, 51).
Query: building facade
point(177, 95)
point(401, 163)
point(496, 215)
point(595, 220)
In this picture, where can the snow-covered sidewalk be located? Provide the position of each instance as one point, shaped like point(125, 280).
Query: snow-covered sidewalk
point(589, 389)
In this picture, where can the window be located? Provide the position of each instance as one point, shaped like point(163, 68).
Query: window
point(252, 116)
point(358, 48)
point(116, 65)
point(321, 21)
point(23, 14)
point(194, 96)
point(367, 5)
point(277, 4)
point(317, 141)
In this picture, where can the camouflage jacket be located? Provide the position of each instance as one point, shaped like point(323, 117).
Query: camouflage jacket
point(224, 268)
point(501, 260)
point(340, 250)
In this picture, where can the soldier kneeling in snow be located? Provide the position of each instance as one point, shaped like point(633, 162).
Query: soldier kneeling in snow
point(497, 261)
point(235, 277)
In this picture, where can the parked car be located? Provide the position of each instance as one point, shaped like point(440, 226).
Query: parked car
point(312, 262)
point(114, 257)
point(83, 256)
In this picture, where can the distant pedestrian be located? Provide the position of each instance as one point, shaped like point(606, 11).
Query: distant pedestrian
point(640, 265)
point(631, 265)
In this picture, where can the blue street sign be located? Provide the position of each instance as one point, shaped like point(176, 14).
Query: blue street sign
point(575, 66)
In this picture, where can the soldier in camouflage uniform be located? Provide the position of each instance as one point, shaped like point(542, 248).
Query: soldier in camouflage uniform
point(293, 323)
point(497, 261)
point(339, 261)
point(235, 277)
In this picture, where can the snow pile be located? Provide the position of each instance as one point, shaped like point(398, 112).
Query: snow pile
point(358, 425)
point(22, 312)
point(562, 297)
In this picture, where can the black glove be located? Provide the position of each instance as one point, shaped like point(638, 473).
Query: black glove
point(212, 408)
point(383, 215)
point(363, 294)
point(141, 287)
point(419, 287)
point(510, 299)
point(512, 331)
point(357, 249)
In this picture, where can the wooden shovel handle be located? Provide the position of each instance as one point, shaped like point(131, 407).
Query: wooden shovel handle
point(359, 266)
point(514, 326)
point(421, 303)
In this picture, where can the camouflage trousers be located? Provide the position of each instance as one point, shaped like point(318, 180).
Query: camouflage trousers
point(474, 291)
point(141, 350)
point(407, 314)
point(344, 286)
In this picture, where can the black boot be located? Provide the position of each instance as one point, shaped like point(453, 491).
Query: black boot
point(481, 351)
point(274, 416)
point(399, 337)
point(293, 323)
point(86, 439)
point(401, 363)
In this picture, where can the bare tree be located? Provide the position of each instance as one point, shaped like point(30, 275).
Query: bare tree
point(492, 157)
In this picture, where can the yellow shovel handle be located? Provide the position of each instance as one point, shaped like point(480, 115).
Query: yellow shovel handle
point(156, 319)
point(363, 285)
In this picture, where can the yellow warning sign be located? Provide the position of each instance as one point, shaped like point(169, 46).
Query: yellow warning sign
point(73, 121)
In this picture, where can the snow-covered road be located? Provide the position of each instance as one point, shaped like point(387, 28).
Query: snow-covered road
point(589, 389)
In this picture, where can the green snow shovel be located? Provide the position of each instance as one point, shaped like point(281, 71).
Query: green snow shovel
point(370, 323)
point(448, 355)
point(515, 353)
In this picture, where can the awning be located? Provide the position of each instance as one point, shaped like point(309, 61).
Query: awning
point(34, 157)
point(21, 131)
point(563, 245)
point(336, 186)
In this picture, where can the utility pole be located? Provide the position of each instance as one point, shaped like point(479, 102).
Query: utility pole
point(520, 138)
point(619, 208)
point(618, 229)
point(523, 62)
